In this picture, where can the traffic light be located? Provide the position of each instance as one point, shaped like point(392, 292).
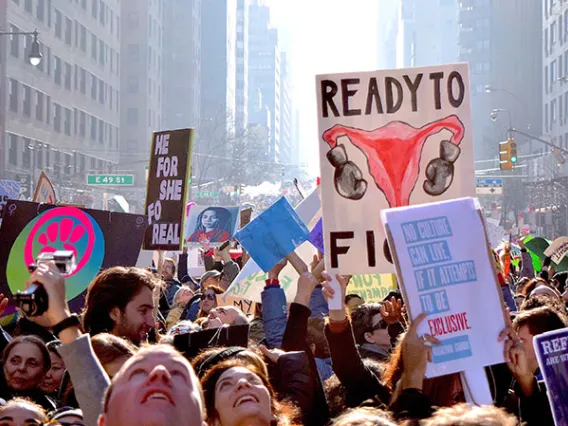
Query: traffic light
point(508, 154)
point(283, 172)
point(241, 188)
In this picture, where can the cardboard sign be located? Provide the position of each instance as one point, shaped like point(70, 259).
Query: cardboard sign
point(277, 232)
point(247, 306)
point(246, 215)
point(44, 192)
point(9, 190)
point(166, 193)
point(251, 280)
point(100, 240)
point(389, 139)
point(552, 353)
point(557, 250)
point(372, 288)
point(213, 224)
point(444, 267)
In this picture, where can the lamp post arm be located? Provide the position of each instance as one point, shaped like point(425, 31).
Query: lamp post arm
point(19, 33)
point(511, 130)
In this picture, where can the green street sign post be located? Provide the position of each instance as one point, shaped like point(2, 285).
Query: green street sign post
point(206, 194)
point(102, 180)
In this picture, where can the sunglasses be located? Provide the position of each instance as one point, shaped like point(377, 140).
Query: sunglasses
point(208, 296)
point(381, 325)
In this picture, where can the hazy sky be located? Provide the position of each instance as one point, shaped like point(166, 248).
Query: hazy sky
point(323, 36)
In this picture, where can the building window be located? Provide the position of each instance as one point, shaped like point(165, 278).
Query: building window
point(94, 43)
point(83, 42)
point(13, 95)
point(553, 34)
point(48, 60)
point(47, 109)
point(68, 73)
point(13, 151)
point(76, 77)
point(93, 128)
point(102, 53)
point(546, 41)
point(67, 121)
point(39, 106)
point(101, 92)
point(84, 4)
point(40, 10)
point(57, 117)
point(83, 124)
point(553, 75)
point(39, 155)
point(58, 24)
point(102, 12)
point(14, 42)
point(553, 112)
point(560, 110)
point(132, 116)
point(132, 84)
point(560, 64)
point(28, 6)
point(26, 153)
point(57, 70)
point(94, 8)
point(133, 53)
point(101, 131)
point(83, 81)
point(94, 87)
point(27, 100)
point(68, 31)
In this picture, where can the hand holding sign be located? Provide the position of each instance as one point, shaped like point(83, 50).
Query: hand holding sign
point(334, 291)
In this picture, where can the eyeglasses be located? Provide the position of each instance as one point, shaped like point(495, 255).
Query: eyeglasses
point(381, 325)
point(208, 296)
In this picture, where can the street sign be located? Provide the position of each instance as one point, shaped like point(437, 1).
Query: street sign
point(489, 186)
point(103, 180)
point(206, 194)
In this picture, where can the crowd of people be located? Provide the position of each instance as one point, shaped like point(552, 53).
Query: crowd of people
point(134, 355)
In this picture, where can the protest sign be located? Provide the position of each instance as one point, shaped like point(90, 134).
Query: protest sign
point(213, 224)
point(444, 267)
point(274, 234)
point(247, 306)
point(557, 250)
point(316, 236)
point(495, 233)
point(552, 353)
point(44, 192)
point(389, 138)
point(246, 215)
point(251, 280)
point(166, 192)
point(372, 288)
point(99, 239)
point(9, 190)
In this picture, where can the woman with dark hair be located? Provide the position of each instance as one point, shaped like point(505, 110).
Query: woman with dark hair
point(25, 361)
point(209, 300)
point(213, 224)
point(52, 380)
point(238, 392)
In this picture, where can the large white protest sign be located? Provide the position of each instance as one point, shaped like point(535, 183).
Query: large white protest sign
point(444, 267)
point(389, 139)
point(557, 250)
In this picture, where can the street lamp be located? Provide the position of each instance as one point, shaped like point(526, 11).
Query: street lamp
point(494, 114)
point(34, 55)
point(491, 89)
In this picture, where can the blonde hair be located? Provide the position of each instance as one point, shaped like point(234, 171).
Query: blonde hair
point(466, 415)
point(364, 416)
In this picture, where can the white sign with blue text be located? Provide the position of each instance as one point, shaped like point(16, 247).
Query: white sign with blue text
point(444, 268)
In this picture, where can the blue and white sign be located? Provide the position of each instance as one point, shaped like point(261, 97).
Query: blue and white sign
point(9, 190)
point(489, 186)
point(443, 269)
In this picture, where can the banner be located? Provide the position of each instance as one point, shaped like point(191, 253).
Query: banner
point(9, 190)
point(552, 353)
point(44, 192)
point(557, 250)
point(99, 239)
point(213, 224)
point(389, 139)
point(166, 192)
point(444, 267)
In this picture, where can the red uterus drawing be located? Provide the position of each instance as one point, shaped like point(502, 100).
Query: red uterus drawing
point(394, 151)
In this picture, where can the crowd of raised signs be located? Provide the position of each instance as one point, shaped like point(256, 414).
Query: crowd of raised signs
point(155, 348)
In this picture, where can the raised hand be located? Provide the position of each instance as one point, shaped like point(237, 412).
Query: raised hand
point(48, 275)
point(306, 286)
point(275, 271)
point(391, 311)
point(271, 354)
point(329, 293)
point(3, 304)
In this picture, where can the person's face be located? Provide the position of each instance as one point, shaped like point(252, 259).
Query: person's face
point(209, 219)
point(70, 420)
point(24, 367)
point(137, 319)
point(53, 378)
point(208, 301)
point(379, 335)
point(168, 270)
point(159, 388)
point(240, 395)
point(527, 339)
point(224, 314)
point(112, 368)
point(185, 295)
point(21, 415)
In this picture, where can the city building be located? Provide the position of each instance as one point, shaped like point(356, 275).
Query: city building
point(182, 69)
point(387, 27)
point(242, 65)
point(286, 129)
point(502, 42)
point(264, 75)
point(427, 33)
point(142, 94)
point(61, 116)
